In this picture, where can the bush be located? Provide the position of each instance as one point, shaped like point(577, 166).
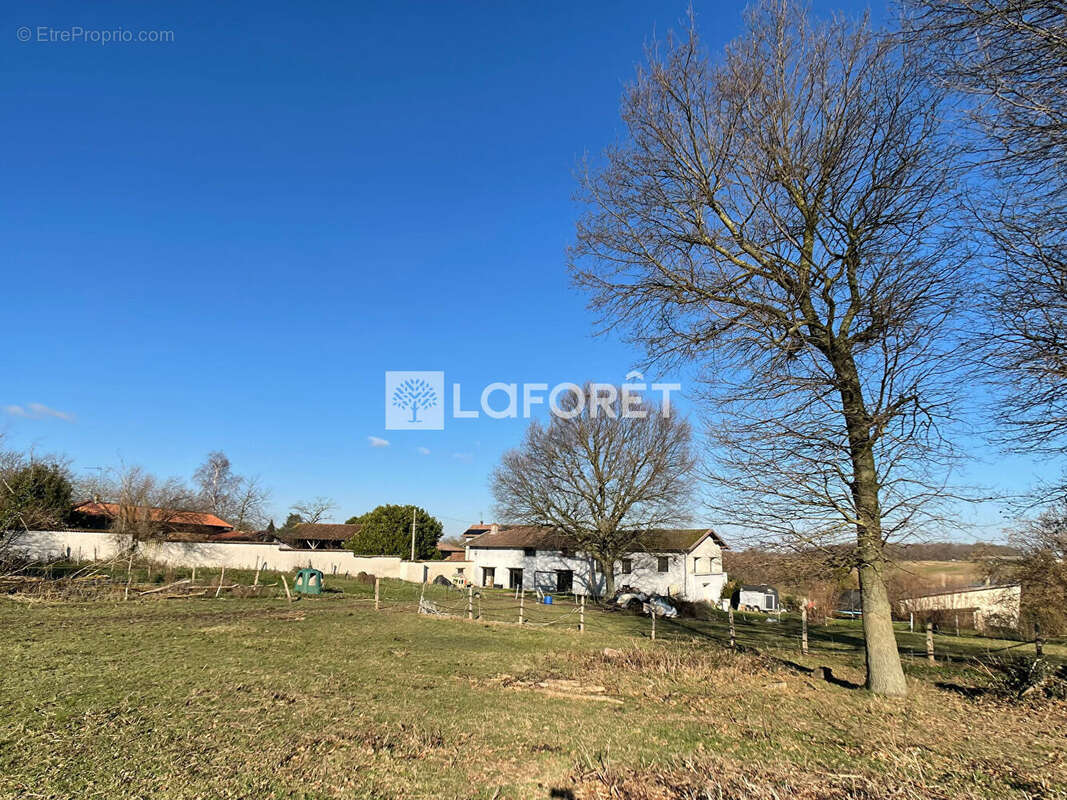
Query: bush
point(1029, 678)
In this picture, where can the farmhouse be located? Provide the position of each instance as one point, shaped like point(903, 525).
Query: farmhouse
point(977, 607)
point(682, 563)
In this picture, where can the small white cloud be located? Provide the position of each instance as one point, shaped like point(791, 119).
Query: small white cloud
point(422, 451)
point(38, 411)
point(463, 456)
point(376, 442)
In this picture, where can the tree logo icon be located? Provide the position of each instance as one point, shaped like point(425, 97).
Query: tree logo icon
point(414, 395)
point(414, 400)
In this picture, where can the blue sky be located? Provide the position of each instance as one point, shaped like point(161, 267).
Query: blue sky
point(224, 241)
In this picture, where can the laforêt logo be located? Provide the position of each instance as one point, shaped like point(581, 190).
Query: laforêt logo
point(414, 400)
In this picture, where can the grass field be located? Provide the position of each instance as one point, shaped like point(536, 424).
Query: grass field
point(328, 698)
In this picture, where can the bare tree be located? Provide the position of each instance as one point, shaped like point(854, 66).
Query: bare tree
point(314, 511)
point(1041, 570)
point(235, 498)
point(1009, 58)
point(601, 479)
point(780, 218)
point(148, 507)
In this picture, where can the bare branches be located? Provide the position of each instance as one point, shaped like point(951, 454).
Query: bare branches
point(314, 511)
point(781, 217)
point(235, 498)
point(600, 479)
point(1011, 57)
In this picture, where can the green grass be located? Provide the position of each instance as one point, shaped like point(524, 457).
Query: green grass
point(327, 698)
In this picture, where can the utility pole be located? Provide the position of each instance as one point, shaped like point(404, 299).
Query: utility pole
point(413, 533)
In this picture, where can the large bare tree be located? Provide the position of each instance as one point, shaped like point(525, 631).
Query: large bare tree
point(235, 498)
point(1008, 58)
point(600, 477)
point(779, 216)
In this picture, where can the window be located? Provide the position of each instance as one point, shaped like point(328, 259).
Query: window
point(459, 571)
point(663, 564)
point(627, 566)
point(564, 552)
point(529, 552)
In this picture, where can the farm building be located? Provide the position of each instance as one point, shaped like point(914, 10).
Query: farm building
point(681, 563)
point(977, 607)
point(755, 598)
point(94, 515)
point(318, 536)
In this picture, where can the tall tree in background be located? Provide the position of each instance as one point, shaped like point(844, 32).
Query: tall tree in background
point(387, 531)
point(312, 511)
point(149, 507)
point(235, 498)
point(1010, 58)
point(35, 494)
point(601, 479)
point(779, 217)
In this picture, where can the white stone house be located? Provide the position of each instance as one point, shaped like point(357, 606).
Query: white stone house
point(681, 563)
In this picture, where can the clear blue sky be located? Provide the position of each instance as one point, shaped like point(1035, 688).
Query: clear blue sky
point(222, 242)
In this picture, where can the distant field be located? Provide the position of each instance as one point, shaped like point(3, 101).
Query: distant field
point(943, 573)
point(327, 698)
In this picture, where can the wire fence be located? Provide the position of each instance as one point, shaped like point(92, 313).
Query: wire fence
point(743, 631)
point(125, 579)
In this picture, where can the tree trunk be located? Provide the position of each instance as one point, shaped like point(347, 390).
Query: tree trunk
point(884, 672)
point(607, 566)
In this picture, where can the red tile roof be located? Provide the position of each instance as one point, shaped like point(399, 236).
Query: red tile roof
point(94, 508)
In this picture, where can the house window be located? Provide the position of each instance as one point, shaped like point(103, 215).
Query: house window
point(459, 571)
point(564, 552)
point(529, 552)
point(627, 566)
point(663, 564)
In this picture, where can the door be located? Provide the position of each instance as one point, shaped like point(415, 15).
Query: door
point(488, 574)
point(514, 578)
point(564, 580)
point(768, 602)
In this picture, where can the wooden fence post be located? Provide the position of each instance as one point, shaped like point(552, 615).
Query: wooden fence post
point(804, 630)
point(129, 575)
point(470, 602)
point(193, 579)
point(733, 632)
point(377, 593)
point(221, 576)
point(1039, 642)
point(522, 605)
point(581, 615)
point(930, 642)
point(258, 565)
point(285, 583)
point(653, 610)
point(911, 622)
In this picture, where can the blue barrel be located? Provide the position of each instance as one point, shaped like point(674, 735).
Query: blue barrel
point(548, 599)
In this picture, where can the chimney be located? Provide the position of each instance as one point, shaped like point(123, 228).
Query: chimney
point(494, 528)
